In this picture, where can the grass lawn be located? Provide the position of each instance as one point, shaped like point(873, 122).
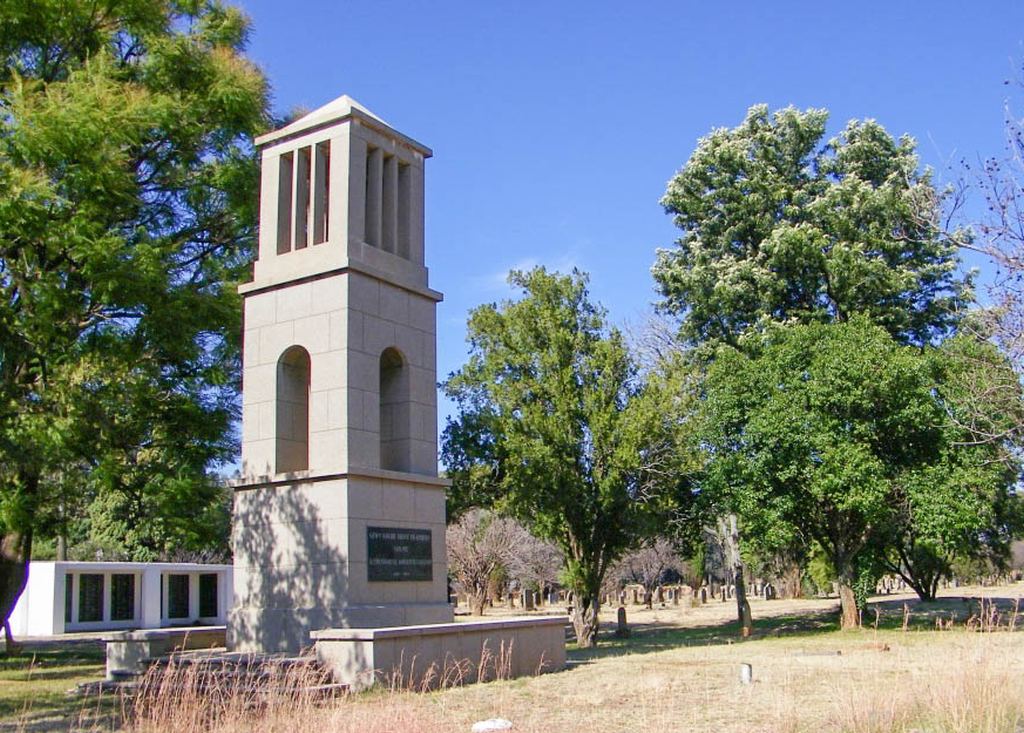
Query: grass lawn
point(34, 685)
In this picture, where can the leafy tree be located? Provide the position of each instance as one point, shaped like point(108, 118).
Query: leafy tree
point(814, 431)
point(779, 225)
point(553, 425)
point(127, 190)
point(962, 504)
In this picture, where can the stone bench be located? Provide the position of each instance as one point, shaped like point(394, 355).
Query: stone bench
point(440, 655)
point(129, 652)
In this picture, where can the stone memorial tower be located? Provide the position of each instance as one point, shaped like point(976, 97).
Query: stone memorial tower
point(339, 513)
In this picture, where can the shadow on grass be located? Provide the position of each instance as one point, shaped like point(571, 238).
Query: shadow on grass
point(54, 654)
point(35, 681)
point(657, 637)
point(1001, 614)
point(47, 674)
point(60, 712)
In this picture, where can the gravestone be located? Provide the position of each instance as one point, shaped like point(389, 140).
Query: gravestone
point(339, 515)
point(528, 600)
point(621, 627)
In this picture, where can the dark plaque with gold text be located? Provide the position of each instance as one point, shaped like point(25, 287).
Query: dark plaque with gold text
point(394, 553)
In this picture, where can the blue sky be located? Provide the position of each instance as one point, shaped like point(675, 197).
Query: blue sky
point(555, 126)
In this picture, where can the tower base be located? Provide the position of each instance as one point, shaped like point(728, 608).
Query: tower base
point(358, 550)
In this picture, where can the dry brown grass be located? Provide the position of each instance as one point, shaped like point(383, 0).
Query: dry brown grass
point(679, 673)
point(861, 683)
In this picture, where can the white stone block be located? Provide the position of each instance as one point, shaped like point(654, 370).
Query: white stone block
point(364, 502)
point(336, 408)
point(371, 413)
point(422, 387)
point(274, 341)
point(354, 409)
point(318, 419)
point(430, 502)
point(260, 384)
point(378, 335)
point(294, 302)
point(260, 310)
point(422, 314)
point(250, 422)
point(345, 330)
point(313, 332)
point(328, 371)
point(364, 294)
point(258, 458)
point(327, 452)
point(363, 448)
point(364, 371)
point(268, 420)
point(329, 294)
point(394, 304)
point(410, 342)
point(251, 348)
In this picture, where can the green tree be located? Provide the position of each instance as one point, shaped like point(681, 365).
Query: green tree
point(961, 505)
point(779, 225)
point(127, 182)
point(813, 431)
point(554, 427)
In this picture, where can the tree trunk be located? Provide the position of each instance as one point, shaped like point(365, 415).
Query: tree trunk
point(15, 550)
point(584, 619)
point(791, 582)
point(742, 605)
point(477, 601)
point(743, 614)
point(849, 618)
point(925, 589)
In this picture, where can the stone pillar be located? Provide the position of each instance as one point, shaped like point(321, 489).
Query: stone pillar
point(150, 595)
point(389, 215)
point(374, 195)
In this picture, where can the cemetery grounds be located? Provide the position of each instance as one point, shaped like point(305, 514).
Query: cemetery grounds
point(953, 665)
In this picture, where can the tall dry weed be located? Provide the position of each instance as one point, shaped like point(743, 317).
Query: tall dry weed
point(977, 690)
